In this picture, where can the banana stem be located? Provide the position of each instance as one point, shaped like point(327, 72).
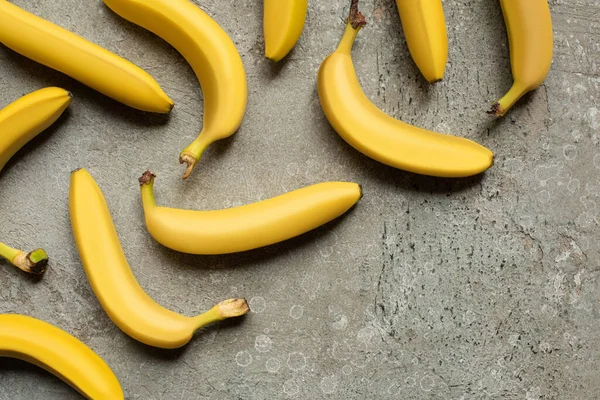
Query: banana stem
point(34, 262)
point(353, 25)
point(500, 107)
point(8, 252)
point(147, 186)
point(356, 18)
point(226, 309)
point(191, 154)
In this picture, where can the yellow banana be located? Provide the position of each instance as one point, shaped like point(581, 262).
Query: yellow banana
point(20, 122)
point(27, 117)
point(424, 28)
point(115, 286)
point(283, 25)
point(369, 130)
point(64, 51)
point(211, 54)
point(529, 28)
point(34, 262)
point(247, 227)
point(37, 342)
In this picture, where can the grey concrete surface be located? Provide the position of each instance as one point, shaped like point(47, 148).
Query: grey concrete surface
point(485, 288)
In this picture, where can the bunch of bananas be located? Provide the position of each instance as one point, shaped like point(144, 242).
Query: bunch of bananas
point(220, 71)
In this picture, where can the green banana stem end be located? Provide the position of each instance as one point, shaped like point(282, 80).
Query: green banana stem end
point(35, 262)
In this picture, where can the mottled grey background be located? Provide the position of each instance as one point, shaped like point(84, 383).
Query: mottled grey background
point(485, 288)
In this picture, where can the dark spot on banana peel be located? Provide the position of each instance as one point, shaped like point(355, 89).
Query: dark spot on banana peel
point(146, 178)
point(356, 19)
point(361, 193)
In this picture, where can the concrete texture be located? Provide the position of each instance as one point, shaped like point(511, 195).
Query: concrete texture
point(485, 288)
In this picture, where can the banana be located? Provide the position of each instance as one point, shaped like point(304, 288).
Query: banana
point(247, 227)
point(424, 28)
point(27, 117)
point(212, 55)
point(34, 262)
point(64, 51)
point(369, 130)
point(529, 28)
point(39, 343)
point(115, 286)
point(283, 25)
point(20, 122)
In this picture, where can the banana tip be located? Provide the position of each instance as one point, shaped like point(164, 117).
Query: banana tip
point(356, 18)
point(233, 308)
point(146, 178)
point(496, 110)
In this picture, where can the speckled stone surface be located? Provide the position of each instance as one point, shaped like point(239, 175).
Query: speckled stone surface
point(484, 288)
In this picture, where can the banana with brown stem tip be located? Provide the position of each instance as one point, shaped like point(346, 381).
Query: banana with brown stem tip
point(115, 286)
point(390, 141)
point(529, 28)
point(246, 227)
point(20, 122)
point(212, 55)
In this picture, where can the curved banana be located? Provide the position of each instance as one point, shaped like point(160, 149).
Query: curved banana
point(247, 227)
point(34, 262)
point(424, 28)
point(64, 51)
point(211, 54)
point(20, 122)
point(283, 25)
point(115, 286)
point(529, 28)
point(27, 117)
point(37, 342)
point(369, 130)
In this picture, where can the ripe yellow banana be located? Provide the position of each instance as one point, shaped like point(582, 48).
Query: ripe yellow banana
point(369, 130)
point(37, 342)
point(283, 25)
point(20, 122)
point(64, 51)
point(424, 28)
point(211, 54)
point(27, 117)
point(115, 286)
point(529, 27)
point(247, 227)
point(34, 262)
